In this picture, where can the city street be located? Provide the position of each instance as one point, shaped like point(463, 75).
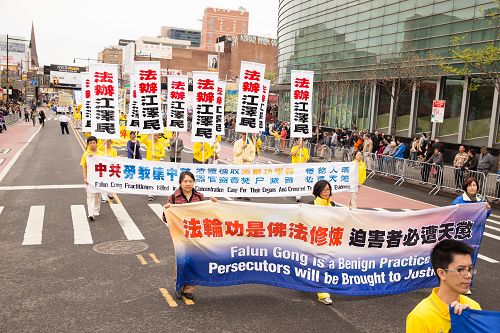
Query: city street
point(57, 276)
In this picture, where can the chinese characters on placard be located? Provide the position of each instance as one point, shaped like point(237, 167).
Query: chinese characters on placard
point(249, 97)
point(177, 103)
point(204, 105)
point(301, 104)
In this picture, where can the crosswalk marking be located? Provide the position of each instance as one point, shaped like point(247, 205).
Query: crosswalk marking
point(34, 227)
point(1, 208)
point(488, 259)
point(491, 235)
point(381, 209)
point(129, 228)
point(493, 221)
point(492, 228)
point(158, 209)
point(497, 216)
point(81, 228)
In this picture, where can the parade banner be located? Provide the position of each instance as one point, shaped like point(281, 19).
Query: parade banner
point(147, 76)
point(122, 175)
point(204, 100)
point(301, 94)
point(133, 107)
point(315, 248)
point(104, 101)
point(249, 97)
point(266, 84)
point(477, 321)
point(219, 110)
point(177, 103)
point(86, 104)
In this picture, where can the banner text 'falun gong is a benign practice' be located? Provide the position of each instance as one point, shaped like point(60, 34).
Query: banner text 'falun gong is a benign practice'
point(315, 248)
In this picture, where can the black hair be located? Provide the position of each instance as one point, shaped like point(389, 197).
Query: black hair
point(320, 186)
point(132, 132)
point(469, 181)
point(184, 174)
point(472, 151)
point(442, 253)
point(91, 138)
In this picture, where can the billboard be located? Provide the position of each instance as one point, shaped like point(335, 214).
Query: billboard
point(156, 51)
point(18, 50)
point(66, 75)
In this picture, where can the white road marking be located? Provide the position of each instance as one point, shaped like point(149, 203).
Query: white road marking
point(497, 216)
point(492, 228)
point(2, 160)
point(14, 159)
point(81, 228)
point(493, 221)
point(407, 210)
point(488, 259)
point(491, 235)
point(1, 209)
point(158, 209)
point(40, 187)
point(34, 227)
point(380, 209)
point(129, 228)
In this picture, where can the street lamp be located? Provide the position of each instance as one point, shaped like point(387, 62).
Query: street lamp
point(7, 46)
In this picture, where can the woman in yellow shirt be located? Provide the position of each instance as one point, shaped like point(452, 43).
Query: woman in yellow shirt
point(202, 152)
point(155, 151)
point(353, 203)
point(299, 154)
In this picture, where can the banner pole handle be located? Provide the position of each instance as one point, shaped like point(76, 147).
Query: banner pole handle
point(135, 147)
point(152, 148)
point(175, 152)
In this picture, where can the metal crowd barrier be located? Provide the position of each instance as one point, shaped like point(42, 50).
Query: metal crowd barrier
point(453, 178)
point(11, 119)
point(490, 187)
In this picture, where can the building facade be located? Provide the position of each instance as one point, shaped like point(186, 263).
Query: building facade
point(343, 41)
point(194, 36)
point(218, 22)
point(111, 55)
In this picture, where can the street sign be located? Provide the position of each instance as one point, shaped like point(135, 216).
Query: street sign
point(438, 111)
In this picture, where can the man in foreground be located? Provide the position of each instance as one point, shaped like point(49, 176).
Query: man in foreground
point(452, 264)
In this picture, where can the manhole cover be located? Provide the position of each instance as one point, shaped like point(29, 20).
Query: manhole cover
point(120, 247)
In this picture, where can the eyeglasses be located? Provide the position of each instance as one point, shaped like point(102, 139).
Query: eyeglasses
point(464, 270)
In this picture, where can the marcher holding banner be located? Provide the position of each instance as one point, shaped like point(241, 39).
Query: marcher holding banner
point(93, 195)
point(353, 202)
point(453, 266)
point(299, 154)
point(133, 147)
point(243, 150)
point(155, 151)
point(202, 152)
point(107, 150)
point(186, 193)
point(176, 147)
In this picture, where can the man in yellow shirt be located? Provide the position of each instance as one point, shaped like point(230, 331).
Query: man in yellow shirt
point(299, 154)
point(93, 196)
point(155, 151)
point(202, 152)
point(452, 263)
point(358, 158)
point(243, 150)
point(107, 150)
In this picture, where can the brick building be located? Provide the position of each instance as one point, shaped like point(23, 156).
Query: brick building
point(218, 22)
point(111, 55)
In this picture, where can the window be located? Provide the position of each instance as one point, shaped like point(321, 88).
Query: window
point(479, 115)
point(453, 93)
point(426, 95)
point(404, 107)
point(384, 107)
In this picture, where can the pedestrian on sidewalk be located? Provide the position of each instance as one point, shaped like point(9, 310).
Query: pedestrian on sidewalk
point(133, 147)
point(322, 192)
point(176, 147)
point(42, 117)
point(63, 122)
point(34, 115)
point(186, 193)
point(108, 150)
point(459, 164)
point(358, 158)
point(299, 154)
point(26, 115)
point(485, 163)
point(436, 169)
point(93, 196)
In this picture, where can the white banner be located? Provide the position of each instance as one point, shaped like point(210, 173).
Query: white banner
point(204, 91)
point(177, 103)
point(301, 94)
point(122, 175)
point(147, 75)
point(266, 84)
point(104, 101)
point(133, 107)
point(249, 97)
point(86, 102)
point(219, 111)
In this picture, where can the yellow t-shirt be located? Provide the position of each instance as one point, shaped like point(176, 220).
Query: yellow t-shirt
point(361, 172)
point(199, 155)
point(83, 161)
point(302, 155)
point(159, 150)
point(111, 152)
point(432, 315)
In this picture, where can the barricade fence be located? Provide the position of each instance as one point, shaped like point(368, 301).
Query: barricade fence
point(414, 171)
point(11, 119)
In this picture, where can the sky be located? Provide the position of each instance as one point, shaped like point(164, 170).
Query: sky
point(65, 29)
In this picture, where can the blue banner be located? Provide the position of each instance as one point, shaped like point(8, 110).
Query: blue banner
point(477, 321)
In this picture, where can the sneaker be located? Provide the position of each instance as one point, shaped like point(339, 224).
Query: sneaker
point(96, 214)
point(104, 200)
point(189, 295)
point(298, 200)
point(178, 294)
point(111, 198)
point(90, 218)
point(151, 198)
point(326, 300)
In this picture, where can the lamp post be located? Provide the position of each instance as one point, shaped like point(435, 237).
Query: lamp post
point(7, 47)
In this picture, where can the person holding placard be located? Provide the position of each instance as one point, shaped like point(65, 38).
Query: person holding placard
point(155, 151)
point(299, 154)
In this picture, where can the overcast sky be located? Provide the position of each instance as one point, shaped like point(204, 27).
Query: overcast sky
point(65, 29)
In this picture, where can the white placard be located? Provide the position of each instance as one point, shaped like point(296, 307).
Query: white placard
point(266, 84)
point(219, 110)
point(133, 107)
point(249, 97)
point(86, 103)
point(438, 107)
point(301, 94)
point(204, 98)
point(177, 103)
point(147, 76)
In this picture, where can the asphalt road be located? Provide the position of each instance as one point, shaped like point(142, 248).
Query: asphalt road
point(60, 286)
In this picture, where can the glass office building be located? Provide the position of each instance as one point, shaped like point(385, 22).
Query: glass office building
point(345, 39)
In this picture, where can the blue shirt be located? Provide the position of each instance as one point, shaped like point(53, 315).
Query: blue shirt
point(130, 150)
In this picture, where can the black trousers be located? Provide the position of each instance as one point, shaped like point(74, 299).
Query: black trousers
point(64, 127)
